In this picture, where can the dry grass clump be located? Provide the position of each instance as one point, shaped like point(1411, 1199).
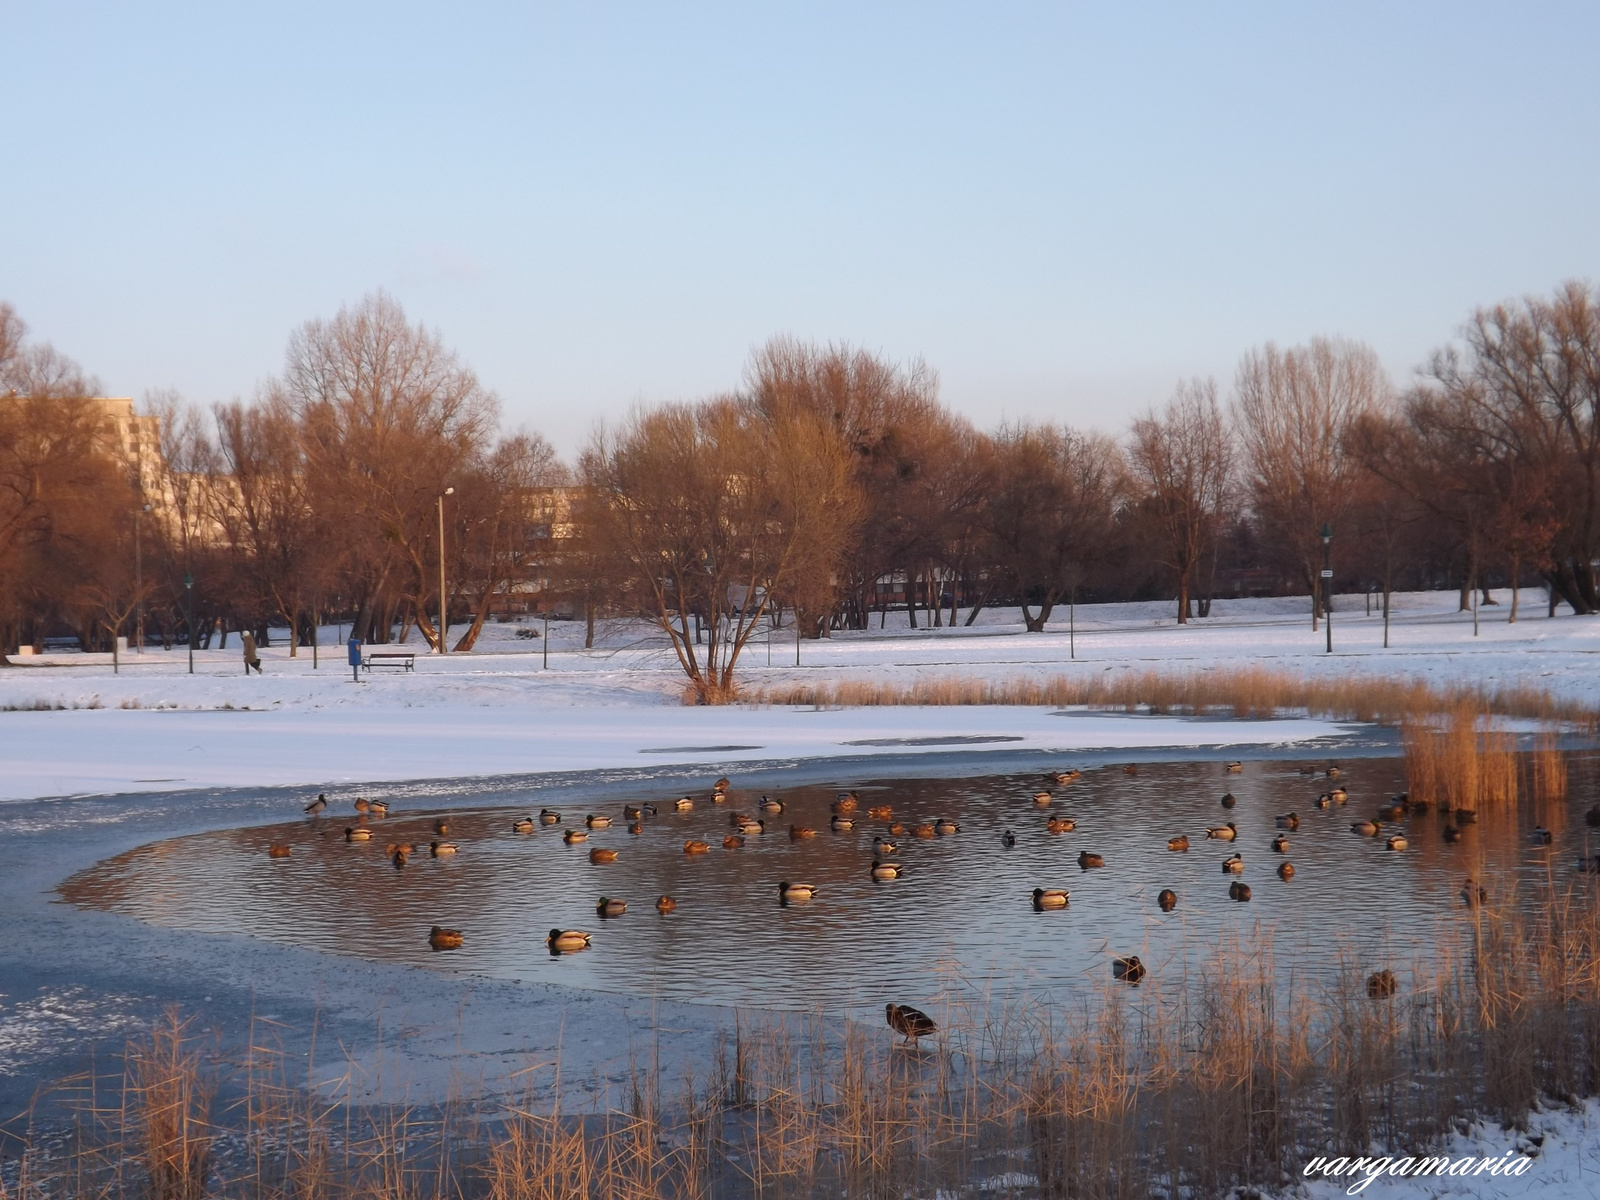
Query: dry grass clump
point(1462, 760)
point(1244, 692)
point(1188, 1086)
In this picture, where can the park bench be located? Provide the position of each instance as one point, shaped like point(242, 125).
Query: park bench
point(405, 659)
point(61, 643)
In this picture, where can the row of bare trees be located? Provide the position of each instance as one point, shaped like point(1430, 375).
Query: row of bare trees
point(831, 486)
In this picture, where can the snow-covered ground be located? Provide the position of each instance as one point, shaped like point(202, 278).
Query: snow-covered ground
point(500, 710)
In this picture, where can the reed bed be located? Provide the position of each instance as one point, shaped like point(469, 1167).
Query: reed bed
point(1185, 1086)
point(1242, 692)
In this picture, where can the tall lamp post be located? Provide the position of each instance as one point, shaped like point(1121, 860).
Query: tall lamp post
point(443, 600)
point(138, 574)
point(1327, 583)
point(188, 614)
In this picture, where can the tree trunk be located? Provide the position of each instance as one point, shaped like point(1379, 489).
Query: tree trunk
point(588, 621)
point(1516, 592)
point(1037, 624)
point(1183, 596)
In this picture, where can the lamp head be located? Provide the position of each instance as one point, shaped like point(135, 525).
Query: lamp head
point(1327, 533)
point(449, 491)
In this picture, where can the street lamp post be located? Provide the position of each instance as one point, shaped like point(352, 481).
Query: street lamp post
point(188, 615)
point(138, 575)
point(444, 612)
point(1327, 583)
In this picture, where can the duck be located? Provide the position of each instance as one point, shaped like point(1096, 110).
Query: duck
point(599, 855)
point(842, 824)
point(692, 846)
point(1239, 891)
point(1131, 769)
point(1071, 775)
point(1365, 828)
point(632, 812)
point(362, 804)
point(1060, 825)
point(404, 847)
point(279, 851)
point(882, 870)
point(1323, 801)
point(1308, 770)
point(1287, 821)
point(649, 810)
point(1396, 841)
point(1044, 898)
point(607, 907)
point(316, 807)
point(564, 941)
point(573, 836)
point(1179, 844)
point(796, 891)
point(378, 808)
point(945, 827)
point(441, 938)
point(683, 804)
point(752, 828)
point(1223, 833)
point(1228, 800)
point(1042, 799)
point(1008, 839)
point(1391, 813)
point(596, 821)
point(1541, 836)
point(636, 828)
point(1166, 899)
point(1466, 816)
point(769, 805)
point(549, 816)
point(1332, 772)
point(1338, 795)
point(399, 857)
point(665, 904)
point(1128, 970)
point(1234, 865)
point(796, 832)
point(1452, 834)
point(354, 833)
point(846, 802)
point(924, 831)
point(1280, 844)
point(441, 827)
point(882, 846)
point(722, 785)
point(441, 849)
point(523, 825)
point(896, 828)
point(911, 1022)
point(1087, 859)
point(733, 842)
point(1473, 894)
point(1382, 984)
point(1235, 768)
point(737, 818)
point(881, 812)
point(1286, 871)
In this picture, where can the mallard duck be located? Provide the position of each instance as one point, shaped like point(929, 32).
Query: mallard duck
point(596, 821)
point(405, 847)
point(1233, 865)
point(1473, 894)
point(377, 808)
point(896, 828)
point(573, 836)
point(1087, 859)
point(1007, 839)
point(881, 812)
point(564, 941)
point(945, 827)
point(599, 855)
point(362, 804)
point(1391, 813)
point(722, 785)
point(440, 849)
point(1466, 816)
point(1308, 770)
point(665, 904)
point(796, 891)
point(1068, 776)
point(923, 831)
point(1050, 898)
point(632, 812)
point(737, 819)
point(1223, 833)
point(649, 810)
point(636, 828)
point(278, 851)
point(1365, 828)
point(549, 816)
point(611, 908)
point(842, 824)
point(752, 828)
point(354, 833)
point(441, 827)
point(882, 847)
point(441, 938)
point(1131, 769)
point(1541, 836)
point(1324, 800)
point(1060, 825)
point(1235, 768)
point(1129, 970)
point(1286, 871)
point(769, 805)
point(733, 842)
point(683, 804)
point(1332, 772)
point(911, 1022)
point(883, 870)
point(1382, 984)
point(317, 806)
point(1452, 834)
point(399, 857)
point(796, 832)
point(1287, 821)
point(523, 825)
point(1042, 799)
point(1228, 801)
point(693, 846)
point(1338, 795)
point(1280, 844)
point(846, 802)
point(1179, 843)
point(1239, 891)
point(1396, 841)
point(1167, 899)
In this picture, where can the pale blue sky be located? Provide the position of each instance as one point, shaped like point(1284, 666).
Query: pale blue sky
point(1062, 208)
